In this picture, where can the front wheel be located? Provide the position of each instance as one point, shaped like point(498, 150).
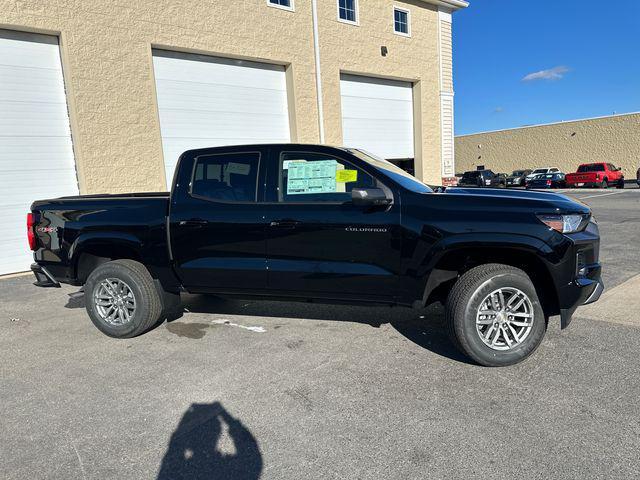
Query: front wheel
point(121, 299)
point(620, 183)
point(494, 315)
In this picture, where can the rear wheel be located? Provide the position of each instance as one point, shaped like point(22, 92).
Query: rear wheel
point(494, 315)
point(121, 299)
point(604, 184)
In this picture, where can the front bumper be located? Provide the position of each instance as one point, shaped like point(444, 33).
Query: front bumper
point(582, 291)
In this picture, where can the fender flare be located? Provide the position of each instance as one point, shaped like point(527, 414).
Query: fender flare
point(514, 242)
point(109, 238)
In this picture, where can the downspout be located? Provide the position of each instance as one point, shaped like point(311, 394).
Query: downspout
point(316, 49)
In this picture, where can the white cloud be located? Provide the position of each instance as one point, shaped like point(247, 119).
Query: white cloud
point(555, 73)
point(498, 110)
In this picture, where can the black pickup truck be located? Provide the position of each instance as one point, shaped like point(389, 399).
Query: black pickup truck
point(318, 223)
point(483, 178)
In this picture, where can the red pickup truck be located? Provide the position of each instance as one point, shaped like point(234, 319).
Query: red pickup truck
point(599, 175)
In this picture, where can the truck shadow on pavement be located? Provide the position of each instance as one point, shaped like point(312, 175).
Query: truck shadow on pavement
point(424, 327)
point(211, 444)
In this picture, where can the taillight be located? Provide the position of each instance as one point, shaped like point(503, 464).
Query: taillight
point(549, 182)
point(31, 236)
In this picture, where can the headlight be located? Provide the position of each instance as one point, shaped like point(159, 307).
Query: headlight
point(565, 223)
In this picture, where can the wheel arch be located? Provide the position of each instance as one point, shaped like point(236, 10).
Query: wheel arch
point(525, 253)
point(91, 250)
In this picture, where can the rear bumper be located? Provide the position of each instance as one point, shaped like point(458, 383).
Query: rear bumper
point(573, 184)
point(43, 277)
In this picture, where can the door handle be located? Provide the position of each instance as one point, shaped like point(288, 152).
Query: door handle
point(285, 224)
point(194, 222)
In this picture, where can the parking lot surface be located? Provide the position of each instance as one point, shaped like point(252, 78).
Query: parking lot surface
point(253, 389)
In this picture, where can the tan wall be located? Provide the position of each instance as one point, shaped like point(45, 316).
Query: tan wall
point(106, 51)
point(356, 49)
point(563, 145)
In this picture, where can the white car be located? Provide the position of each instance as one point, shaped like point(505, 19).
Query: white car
point(540, 171)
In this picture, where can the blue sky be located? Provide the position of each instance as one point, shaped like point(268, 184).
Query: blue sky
point(524, 62)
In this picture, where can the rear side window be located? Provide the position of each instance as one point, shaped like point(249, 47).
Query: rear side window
point(315, 177)
point(227, 177)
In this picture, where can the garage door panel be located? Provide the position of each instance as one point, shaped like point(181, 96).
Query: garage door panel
point(38, 86)
point(216, 70)
point(36, 153)
point(377, 115)
point(370, 87)
point(223, 124)
point(377, 108)
point(190, 96)
point(208, 102)
point(33, 119)
point(29, 51)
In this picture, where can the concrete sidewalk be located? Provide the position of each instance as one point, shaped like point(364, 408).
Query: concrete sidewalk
point(620, 305)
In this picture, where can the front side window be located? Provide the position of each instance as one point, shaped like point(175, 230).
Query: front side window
point(347, 10)
point(227, 177)
point(316, 177)
point(286, 4)
point(401, 21)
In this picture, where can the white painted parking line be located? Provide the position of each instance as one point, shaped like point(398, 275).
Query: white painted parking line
point(603, 194)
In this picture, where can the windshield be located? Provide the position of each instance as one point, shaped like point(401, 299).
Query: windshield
point(541, 170)
point(595, 167)
point(517, 173)
point(470, 175)
point(405, 179)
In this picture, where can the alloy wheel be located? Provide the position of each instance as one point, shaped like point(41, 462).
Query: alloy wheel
point(504, 318)
point(114, 301)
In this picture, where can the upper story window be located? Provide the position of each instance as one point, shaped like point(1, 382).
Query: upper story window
point(401, 21)
point(348, 11)
point(284, 4)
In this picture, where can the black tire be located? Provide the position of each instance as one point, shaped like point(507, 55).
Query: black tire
point(148, 304)
point(620, 183)
point(604, 184)
point(465, 299)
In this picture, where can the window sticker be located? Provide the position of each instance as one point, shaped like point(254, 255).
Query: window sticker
point(312, 177)
point(346, 176)
point(286, 163)
point(239, 168)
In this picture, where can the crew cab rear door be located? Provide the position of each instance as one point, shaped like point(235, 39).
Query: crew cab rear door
point(217, 229)
point(318, 242)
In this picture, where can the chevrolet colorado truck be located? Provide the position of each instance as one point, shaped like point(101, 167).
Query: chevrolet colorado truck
point(318, 223)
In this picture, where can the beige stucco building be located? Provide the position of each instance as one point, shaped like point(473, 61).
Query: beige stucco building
point(103, 95)
point(565, 145)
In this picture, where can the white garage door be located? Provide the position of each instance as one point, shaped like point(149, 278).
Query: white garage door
point(36, 154)
point(209, 102)
point(377, 115)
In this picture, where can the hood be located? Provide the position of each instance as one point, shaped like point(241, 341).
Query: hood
point(540, 202)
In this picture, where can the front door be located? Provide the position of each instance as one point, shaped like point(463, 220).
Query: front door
point(318, 242)
point(217, 227)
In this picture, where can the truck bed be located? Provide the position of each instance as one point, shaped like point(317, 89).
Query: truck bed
point(71, 230)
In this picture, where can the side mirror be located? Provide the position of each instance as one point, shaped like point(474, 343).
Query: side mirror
point(371, 197)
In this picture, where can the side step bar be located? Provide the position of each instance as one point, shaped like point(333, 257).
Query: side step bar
point(43, 277)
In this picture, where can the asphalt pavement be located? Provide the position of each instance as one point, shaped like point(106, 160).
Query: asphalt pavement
point(253, 389)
